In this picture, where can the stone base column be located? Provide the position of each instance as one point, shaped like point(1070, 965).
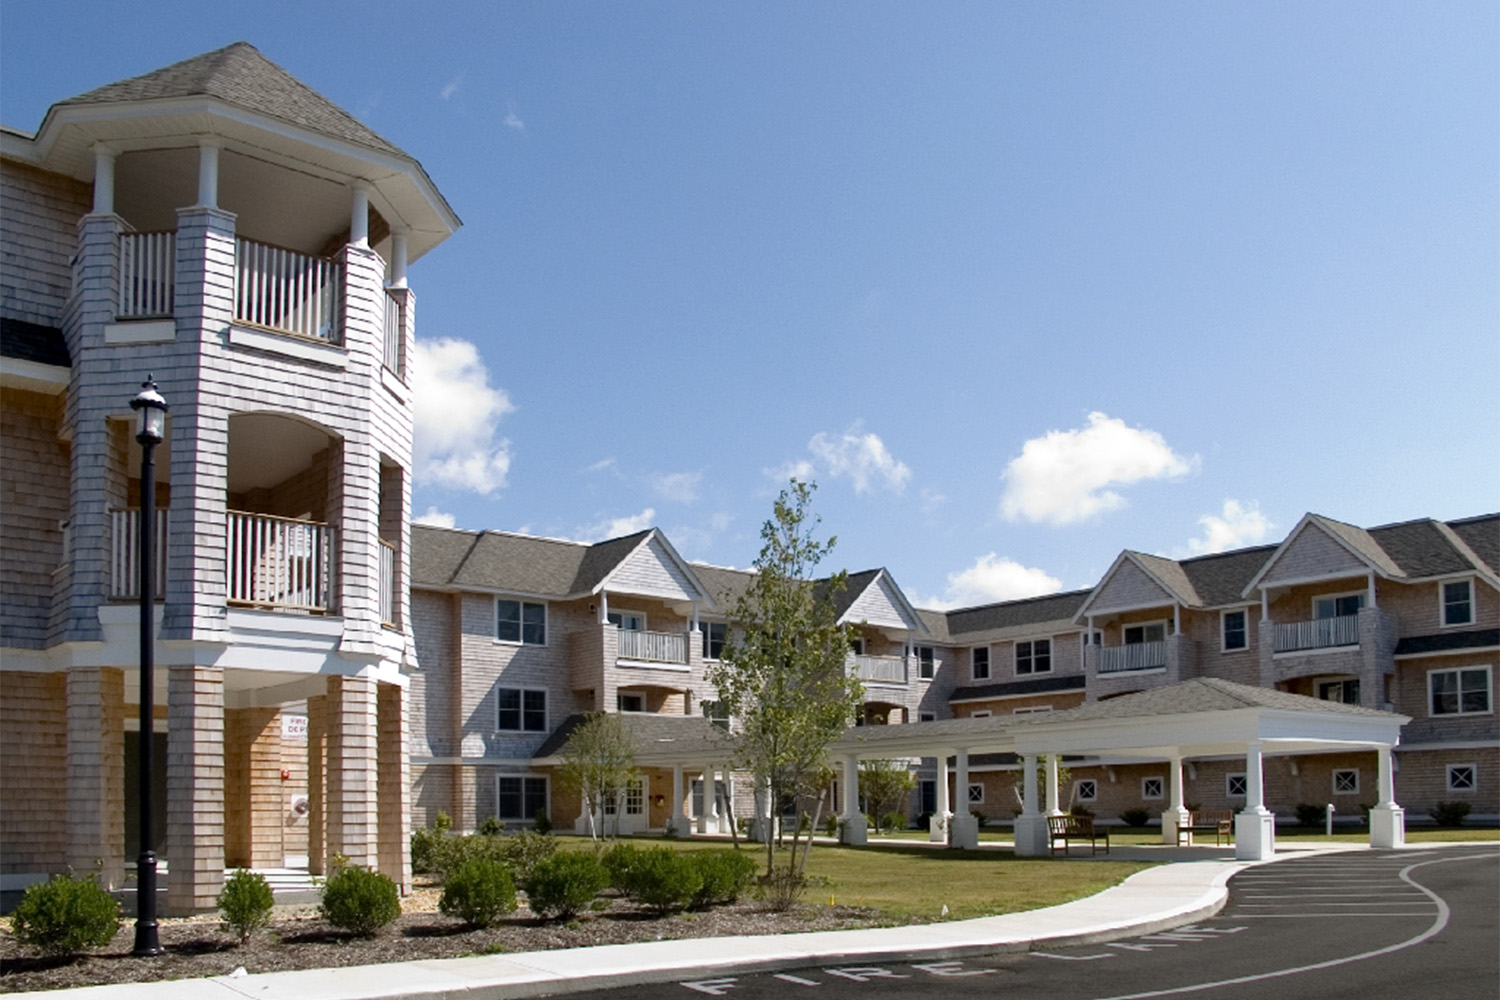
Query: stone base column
point(252, 788)
point(1387, 826)
point(963, 832)
point(1171, 821)
point(353, 804)
point(1031, 835)
point(854, 831)
point(195, 788)
point(1254, 836)
point(95, 832)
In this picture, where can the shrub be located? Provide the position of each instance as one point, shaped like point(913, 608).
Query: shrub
point(491, 827)
point(564, 884)
point(831, 825)
point(65, 916)
point(1450, 813)
point(620, 861)
point(523, 851)
point(782, 888)
point(661, 878)
point(979, 817)
point(893, 821)
point(360, 901)
point(246, 901)
point(424, 846)
point(1136, 817)
point(1081, 810)
point(443, 823)
point(870, 823)
point(543, 821)
point(722, 876)
point(1309, 814)
point(478, 892)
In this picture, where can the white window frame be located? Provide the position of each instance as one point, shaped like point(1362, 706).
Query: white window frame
point(1322, 682)
point(1471, 787)
point(620, 697)
point(974, 663)
point(696, 801)
point(1033, 669)
point(1161, 788)
point(1345, 771)
point(522, 602)
point(1031, 709)
point(976, 800)
point(1489, 687)
point(635, 798)
point(707, 628)
point(523, 778)
point(523, 691)
point(926, 670)
point(1086, 790)
point(1443, 586)
point(622, 614)
point(982, 713)
point(1229, 782)
point(1363, 595)
point(1224, 646)
point(1166, 630)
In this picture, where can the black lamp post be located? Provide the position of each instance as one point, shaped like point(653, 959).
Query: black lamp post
point(152, 410)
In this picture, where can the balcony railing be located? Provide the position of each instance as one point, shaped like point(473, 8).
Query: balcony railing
point(387, 583)
point(880, 669)
point(653, 647)
point(125, 554)
point(1322, 633)
point(148, 274)
point(280, 563)
point(394, 310)
point(1136, 656)
point(287, 291)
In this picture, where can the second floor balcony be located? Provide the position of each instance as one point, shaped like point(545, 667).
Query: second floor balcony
point(1320, 633)
point(666, 648)
point(1133, 656)
point(879, 669)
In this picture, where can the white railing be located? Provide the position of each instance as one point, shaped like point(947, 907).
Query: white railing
point(393, 329)
point(280, 562)
point(125, 553)
point(286, 291)
point(1136, 656)
point(387, 582)
point(148, 274)
point(653, 647)
point(1319, 634)
point(880, 669)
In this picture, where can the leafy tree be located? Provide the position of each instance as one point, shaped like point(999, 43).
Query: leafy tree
point(885, 785)
point(783, 674)
point(598, 762)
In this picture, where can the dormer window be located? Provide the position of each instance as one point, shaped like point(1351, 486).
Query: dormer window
point(1458, 603)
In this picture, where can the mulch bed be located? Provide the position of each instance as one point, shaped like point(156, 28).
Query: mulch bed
point(298, 939)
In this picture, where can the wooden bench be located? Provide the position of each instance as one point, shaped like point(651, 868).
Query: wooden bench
point(1066, 829)
point(1219, 822)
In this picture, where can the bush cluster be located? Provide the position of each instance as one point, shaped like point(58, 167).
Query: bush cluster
point(666, 880)
point(65, 916)
point(478, 892)
point(562, 885)
point(245, 902)
point(1136, 817)
point(360, 901)
point(437, 852)
point(1450, 813)
point(1310, 814)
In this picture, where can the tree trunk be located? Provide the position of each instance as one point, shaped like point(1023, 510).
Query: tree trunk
point(816, 819)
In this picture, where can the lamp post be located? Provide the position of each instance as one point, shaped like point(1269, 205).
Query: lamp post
point(152, 412)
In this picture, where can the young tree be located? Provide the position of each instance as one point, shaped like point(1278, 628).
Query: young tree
point(783, 673)
point(597, 762)
point(884, 783)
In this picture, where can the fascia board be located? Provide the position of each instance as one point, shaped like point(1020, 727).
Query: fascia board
point(1108, 735)
point(913, 621)
point(34, 376)
point(1372, 729)
point(681, 564)
point(1302, 525)
point(1083, 611)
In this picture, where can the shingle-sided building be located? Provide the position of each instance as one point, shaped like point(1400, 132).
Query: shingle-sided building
point(218, 225)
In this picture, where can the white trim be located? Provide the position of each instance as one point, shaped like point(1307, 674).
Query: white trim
point(971, 800)
point(1448, 779)
point(1029, 710)
point(18, 373)
point(622, 613)
point(1166, 632)
point(1078, 794)
point(546, 709)
point(1224, 631)
point(983, 713)
point(1161, 788)
point(1465, 651)
point(989, 661)
point(1229, 792)
point(289, 345)
point(1489, 685)
point(1443, 621)
point(518, 643)
point(523, 778)
point(1015, 657)
point(1363, 594)
point(1334, 779)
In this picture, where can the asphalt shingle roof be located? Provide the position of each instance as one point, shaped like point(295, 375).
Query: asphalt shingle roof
point(1221, 578)
point(1037, 685)
point(1420, 548)
point(1011, 614)
point(1414, 645)
point(1482, 536)
point(1201, 694)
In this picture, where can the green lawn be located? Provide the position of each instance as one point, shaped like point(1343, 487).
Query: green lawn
point(1302, 835)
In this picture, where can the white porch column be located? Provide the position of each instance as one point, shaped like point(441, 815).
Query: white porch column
point(708, 819)
point(104, 181)
point(1371, 578)
point(1053, 809)
point(603, 608)
point(1031, 825)
point(853, 830)
point(937, 827)
point(1255, 828)
point(964, 828)
point(675, 821)
point(398, 258)
point(1175, 815)
point(1387, 820)
point(208, 174)
point(359, 215)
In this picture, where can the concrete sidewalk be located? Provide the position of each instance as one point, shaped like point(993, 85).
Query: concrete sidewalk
point(1190, 887)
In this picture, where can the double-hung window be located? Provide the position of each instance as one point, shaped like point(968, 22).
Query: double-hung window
point(520, 798)
point(715, 635)
point(1236, 631)
point(925, 662)
point(1135, 635)
point(522, 710)
point(1460, 691)
point(1338, 605)
point(1458, 603)
point(981, 662)
point(1034, 656)
point(521, 621)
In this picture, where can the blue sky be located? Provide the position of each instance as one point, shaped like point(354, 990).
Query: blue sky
point(1018, 285)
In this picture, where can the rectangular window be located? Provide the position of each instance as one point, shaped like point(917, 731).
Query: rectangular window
point(1034, 657)
point(1458, 603)
point(635, 799)
point(926, 716)
point(715, 712)
point(983, 713)
point(980, 661)
point(1236, 634)
point(715, 634)
point(1461, 691)
point(1343, 692)
point(976, 794)
point(1151, 788)
point(1235, 786)
point(1462, 777)
point(1346, 781)
point(521, 621)
point(927, 793)
point(1031, 709)
point(1149, 632)
point(856, 645)
point(925, 662)
point(630, 702)
point(522, 710)
point(1086, 790)
point(520, 798)
point(1338, 605)
point(697, 793)
point(628, 621)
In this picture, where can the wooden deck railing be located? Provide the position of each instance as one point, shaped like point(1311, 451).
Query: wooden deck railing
point(387, 583)
point(653, 647)
point(280, 563)
point(287, 291)
point(880, 669)
point(1136, 656)
point(148, 275)
point(1321, 633)
point(125, 553)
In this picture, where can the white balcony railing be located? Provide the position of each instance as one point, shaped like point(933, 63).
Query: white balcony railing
point(1136, 656)
point(125, 553)
point(880, 669)
point(148, 274)
point(387, 583)
point(653, 647)
point(393, 330)
point(280, 563)
point(287, 291)
point(1322, 633)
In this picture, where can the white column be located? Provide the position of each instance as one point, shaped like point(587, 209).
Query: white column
point(1175, 815)
point(1053, 809)
point(1176, 618)
point(208, 174)
point(937, 827)
point(675, 824)
point(104, 181)
point(854, 830)
point(1031, 825)
point(964, 828)
point(708, 820)
point(1265, 606)
point(1387, 820)
point(398, 258)
point(1371, 578)
point(603, 608)
point(359, 215)
point(1255, 828)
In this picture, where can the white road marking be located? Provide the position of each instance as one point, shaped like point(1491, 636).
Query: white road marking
point(1070, 958)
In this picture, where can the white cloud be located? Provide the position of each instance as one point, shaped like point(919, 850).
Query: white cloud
point(435, 518)
point(992, 579)
point(680, 487)
point(617, 526)
point(932, 500)
point(513, 120)
point(1065, 476)
point(451, 87)
point(603, 465)
point(800, 469)
point(861, 458)
point(1236, 526)
point(457, 415)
